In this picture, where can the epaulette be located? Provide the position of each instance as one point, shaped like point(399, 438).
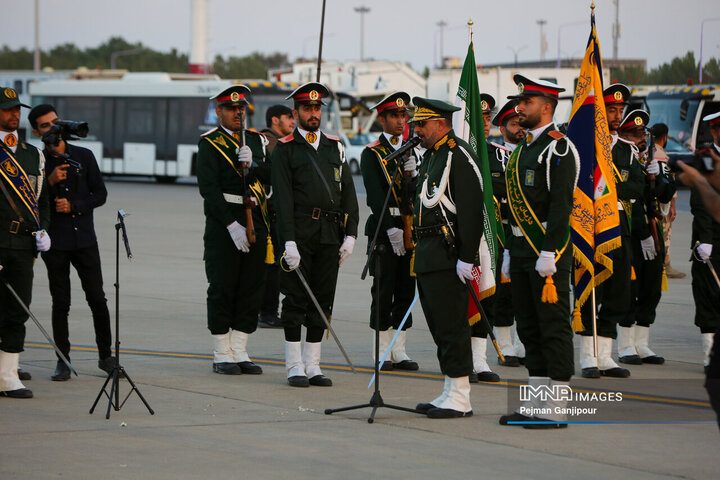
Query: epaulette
point(209, 132)
point(251, 130)
point(556, 134)
point(626, 141)
point(286, 139)
point(374, 144)
point(333, 137)
point(501, 147)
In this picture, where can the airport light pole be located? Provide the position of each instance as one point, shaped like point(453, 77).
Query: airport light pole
point(362, 10)
point(579, 22)
point(543, 45)
point(516, 51)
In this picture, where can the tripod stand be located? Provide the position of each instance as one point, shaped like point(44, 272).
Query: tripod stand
point(376, 250)
point(118, 370)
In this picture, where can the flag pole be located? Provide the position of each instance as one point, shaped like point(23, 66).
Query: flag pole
point(470, 25)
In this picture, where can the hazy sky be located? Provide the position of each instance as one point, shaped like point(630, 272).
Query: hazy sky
point(394, 30)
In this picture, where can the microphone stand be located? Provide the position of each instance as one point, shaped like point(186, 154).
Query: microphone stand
point(118, 370)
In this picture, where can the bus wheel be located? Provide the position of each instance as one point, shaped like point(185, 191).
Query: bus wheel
point(354, 167)
point(165, 179)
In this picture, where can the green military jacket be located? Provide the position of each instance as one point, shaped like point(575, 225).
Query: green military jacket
point(219, 173)
point(629, 180)
point(298, 188)
point(32, 161)
point(551, 202)
point(498, 156)
point(376, 177)
point(665, 189)
point(463, 189)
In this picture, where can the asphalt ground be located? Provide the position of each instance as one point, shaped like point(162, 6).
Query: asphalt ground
point(212, 426)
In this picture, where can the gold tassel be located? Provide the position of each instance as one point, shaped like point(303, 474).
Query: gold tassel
point(412, 264)
point(549, 293)
point(577, 325)
point(504, 279)
point(269, 253)
point(632, 273)
point(664, 284)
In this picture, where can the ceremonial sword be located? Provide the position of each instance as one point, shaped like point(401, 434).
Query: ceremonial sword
point(483, 318)
point(708, 263)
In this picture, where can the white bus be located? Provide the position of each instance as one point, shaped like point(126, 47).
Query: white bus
point(149, 124)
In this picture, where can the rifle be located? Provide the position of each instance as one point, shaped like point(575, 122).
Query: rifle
point(652, 213)
point(406, 202)
point(248, 198)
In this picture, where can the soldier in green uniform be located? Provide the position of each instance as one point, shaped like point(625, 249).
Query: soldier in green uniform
point(24, 216)
point(231, 171)
point(397, 286)
point(317, 223)
point(647, 240)
point(614, 295)
point(706, 245)
point(541, 176)
point(448, 227)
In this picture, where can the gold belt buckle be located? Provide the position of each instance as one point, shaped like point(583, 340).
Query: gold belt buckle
point(316, 214)
point(14, 227)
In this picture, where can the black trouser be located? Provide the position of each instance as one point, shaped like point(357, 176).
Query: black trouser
point(18, 272)
point(444, 300)
point(706, 294)
point(86, 262)
point(271, 295)
point(397, 289)
point(646, 288)
point(712, 379)
point(544, 328)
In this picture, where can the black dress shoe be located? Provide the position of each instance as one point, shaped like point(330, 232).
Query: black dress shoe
point(510, 361)
point(488, 377)
point(473, 377)
point(62, 372)
point(653, 360)
point(227, 368)
point(320, 381)
point(521, 360)
point(106, 364)
point(514, 417)
point(630, 359)
point(447, 413)
point(616, 372)
point(590, 372)
point(24, 375)
point(19, 393)
point(406, 365)
point(386, 366)
point(250, 368)
point(424, 407)
point(298, 381)
point(269, 320)
point(544, 424)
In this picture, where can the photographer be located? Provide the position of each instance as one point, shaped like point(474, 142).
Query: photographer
point(76, 188)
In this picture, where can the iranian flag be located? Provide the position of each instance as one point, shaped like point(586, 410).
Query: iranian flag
point(469, 125)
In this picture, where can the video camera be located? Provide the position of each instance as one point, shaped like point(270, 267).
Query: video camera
point(700, 160)
point(65, 130)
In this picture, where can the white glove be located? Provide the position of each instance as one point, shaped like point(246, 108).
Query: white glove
point(292, 256)
point(397, 241)
point(346, 249)
point(464, 271)
point(704, 251)
point(42, 241)
point(653, 168)
point(239, 237)
point(505, 269)
point(410, 165)
point(648, 248)
point(545, 264)
point(245, 156)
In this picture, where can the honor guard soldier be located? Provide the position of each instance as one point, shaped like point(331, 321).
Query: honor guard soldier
point(614, 295)
point(231, 171)
point(448, 222)
point(647, 242)
point(397, 286)
point(507, 120)
point(24, 216)
point(317, 220)
point(706, 253)
point(541, 176)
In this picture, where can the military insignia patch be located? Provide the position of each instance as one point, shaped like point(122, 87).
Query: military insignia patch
point(313, 95)
point(624, 174)
point(336, 171)
point(451, 143)
point(618, 96)
point(10, 93)
point(530, 178)
point(311, 137)
point(220, 140)
point(496, 174)
point(394, 139)
point(10, 140)
point(10, 168)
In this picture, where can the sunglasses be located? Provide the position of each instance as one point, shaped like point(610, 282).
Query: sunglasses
point(421, 123)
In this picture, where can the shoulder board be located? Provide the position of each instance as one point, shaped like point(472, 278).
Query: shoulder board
point(332, 137)
point(209, 132)
point(556, 134)
point(286, 139)
point(501, 147)
point(376, 143)
point(252, 130)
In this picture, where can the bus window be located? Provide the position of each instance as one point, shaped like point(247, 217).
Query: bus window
point(667, 110)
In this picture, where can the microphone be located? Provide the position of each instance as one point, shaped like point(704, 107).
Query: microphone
point(412, 143)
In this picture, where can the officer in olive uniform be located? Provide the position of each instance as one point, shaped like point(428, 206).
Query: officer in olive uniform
point(24, 216)
point(614, 295)
point(507, 120)
point(317, 223)
point(706, 250)
point(541, 176)
point(231, 171)
point(397, 286)
point(647, 239)
point(448, 228)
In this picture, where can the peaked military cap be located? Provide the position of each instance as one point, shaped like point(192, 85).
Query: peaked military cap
point(634, 119)
point(507, 111)
point(617, 93)
point(487, 102)
point(233, 96)
point(9, 98)
point(528, 86)
point(394, 101)
point(713, 118)
point(426, 108)
point(311, 93)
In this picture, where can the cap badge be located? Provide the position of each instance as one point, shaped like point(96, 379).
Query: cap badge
point(618, 96)
point(638, 121)
point(10, 93)
point(484, 105)
point(400, 102)
point(234, 96)
point(314, 95)
point(521, 87)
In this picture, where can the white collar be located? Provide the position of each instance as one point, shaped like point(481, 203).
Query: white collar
point(229, 132)
point(399, 143)
point(615, 137)
point(4, 134)
point(538, 131)
point(511, 146)
point(303, 133)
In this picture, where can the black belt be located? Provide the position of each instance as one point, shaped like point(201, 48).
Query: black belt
point(435, 230)
point(317, 213)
